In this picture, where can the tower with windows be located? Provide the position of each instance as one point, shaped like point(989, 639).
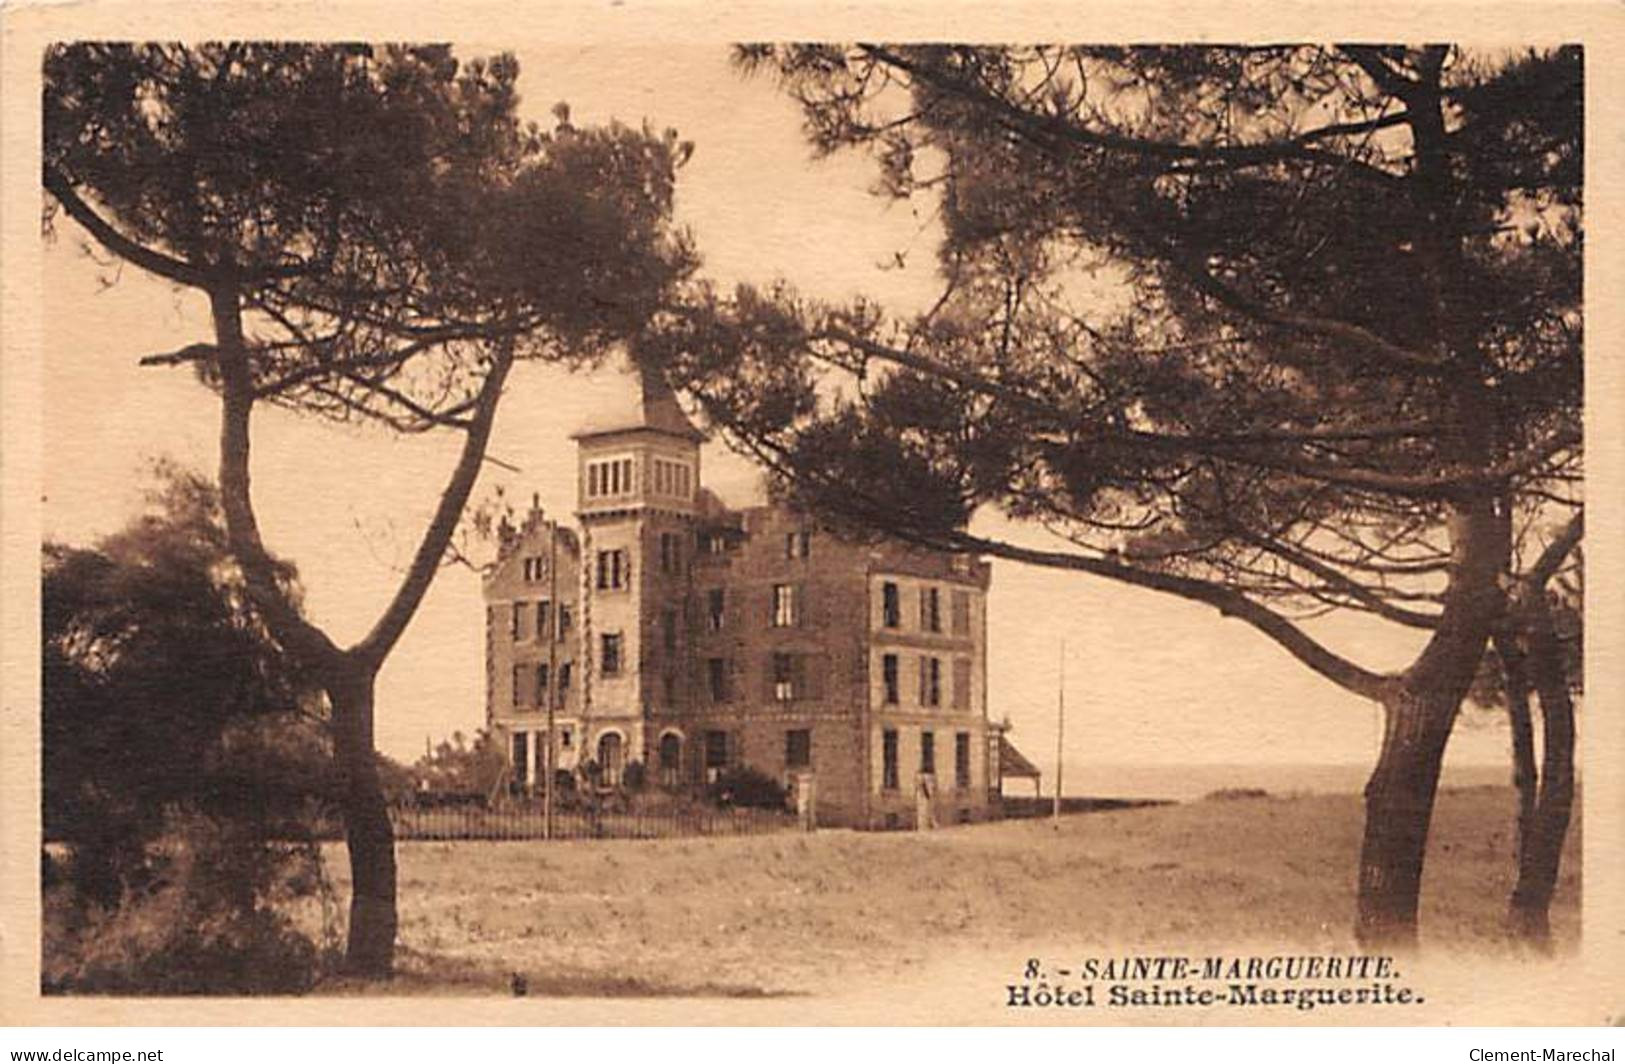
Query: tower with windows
point(638, 485)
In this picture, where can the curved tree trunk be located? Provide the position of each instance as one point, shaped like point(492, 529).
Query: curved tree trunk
point(1419, 709)
point(1540, 851)
point(368, 833)
point(1398, 808)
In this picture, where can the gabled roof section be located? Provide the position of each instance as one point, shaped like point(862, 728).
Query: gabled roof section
point(657, 410)
point(1013, 763)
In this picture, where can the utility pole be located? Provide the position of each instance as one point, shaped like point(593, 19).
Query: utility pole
point(1060, 734)
point(552, 671)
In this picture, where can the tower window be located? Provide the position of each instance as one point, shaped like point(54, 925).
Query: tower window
point(609, 478)
point(672, 478)
point(610, 658)
point(614, 570)
point(888, 671)
point(797, 544)
point(714, 609)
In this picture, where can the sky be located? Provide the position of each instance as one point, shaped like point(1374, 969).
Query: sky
point(1149, 679)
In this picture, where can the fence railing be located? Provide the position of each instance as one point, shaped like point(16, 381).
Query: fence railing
point(521, 820)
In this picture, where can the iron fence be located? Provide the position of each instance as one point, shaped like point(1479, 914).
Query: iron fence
point(528, 820)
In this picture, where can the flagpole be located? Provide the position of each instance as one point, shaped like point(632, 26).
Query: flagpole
point(552, 672)
point(1060, 734)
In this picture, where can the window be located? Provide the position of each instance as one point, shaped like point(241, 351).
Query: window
point(610, 659)
point(930, 612)
point(544, 619)
point(713, 609)
point(671, 553)
point(786, 606)
point(566, 736)
point(714, 542)
point(798, 748)
point(888, 759)
point(672, 478)
point(961, 612)
point(521, 620)
point(890, 605)
point(797, 544)
point(888, 672)
point(930, 681)
point(668, 630)
point(962, 683)
point(671, 759)
point(611, 758)
point(521, 757)
point(716, 749)
point(518, 685)
point(716, 671)
point(784, 677)
point(611, 477)
point(928, 754)
point(962, 760)
point(541, 684)
point(564, 619)
point(614, 571)
point(564, 678)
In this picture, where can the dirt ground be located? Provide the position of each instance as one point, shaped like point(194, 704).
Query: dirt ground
point(808, 914)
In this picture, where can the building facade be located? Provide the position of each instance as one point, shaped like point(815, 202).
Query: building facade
point(668, 630)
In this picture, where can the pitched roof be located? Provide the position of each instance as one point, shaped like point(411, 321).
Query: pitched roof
point(656, 410)
point(1014, 763)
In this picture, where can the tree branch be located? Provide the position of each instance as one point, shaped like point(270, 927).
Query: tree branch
point(173, 269)
point(375, 647)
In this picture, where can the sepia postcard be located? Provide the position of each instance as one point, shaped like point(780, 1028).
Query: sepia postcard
point(657, 514)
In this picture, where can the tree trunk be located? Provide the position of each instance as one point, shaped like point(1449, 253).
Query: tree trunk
point(368, 833)
point(1398, 807)
point(1541, 851)
point(1515, 677)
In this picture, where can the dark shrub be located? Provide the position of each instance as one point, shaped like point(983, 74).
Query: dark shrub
point(745, 788)
point(215, 915)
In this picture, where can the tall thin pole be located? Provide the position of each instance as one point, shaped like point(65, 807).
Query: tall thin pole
point(1060, 735)
point(552, 671)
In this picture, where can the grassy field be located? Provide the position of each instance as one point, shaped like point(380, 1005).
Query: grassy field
point(793, 914)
